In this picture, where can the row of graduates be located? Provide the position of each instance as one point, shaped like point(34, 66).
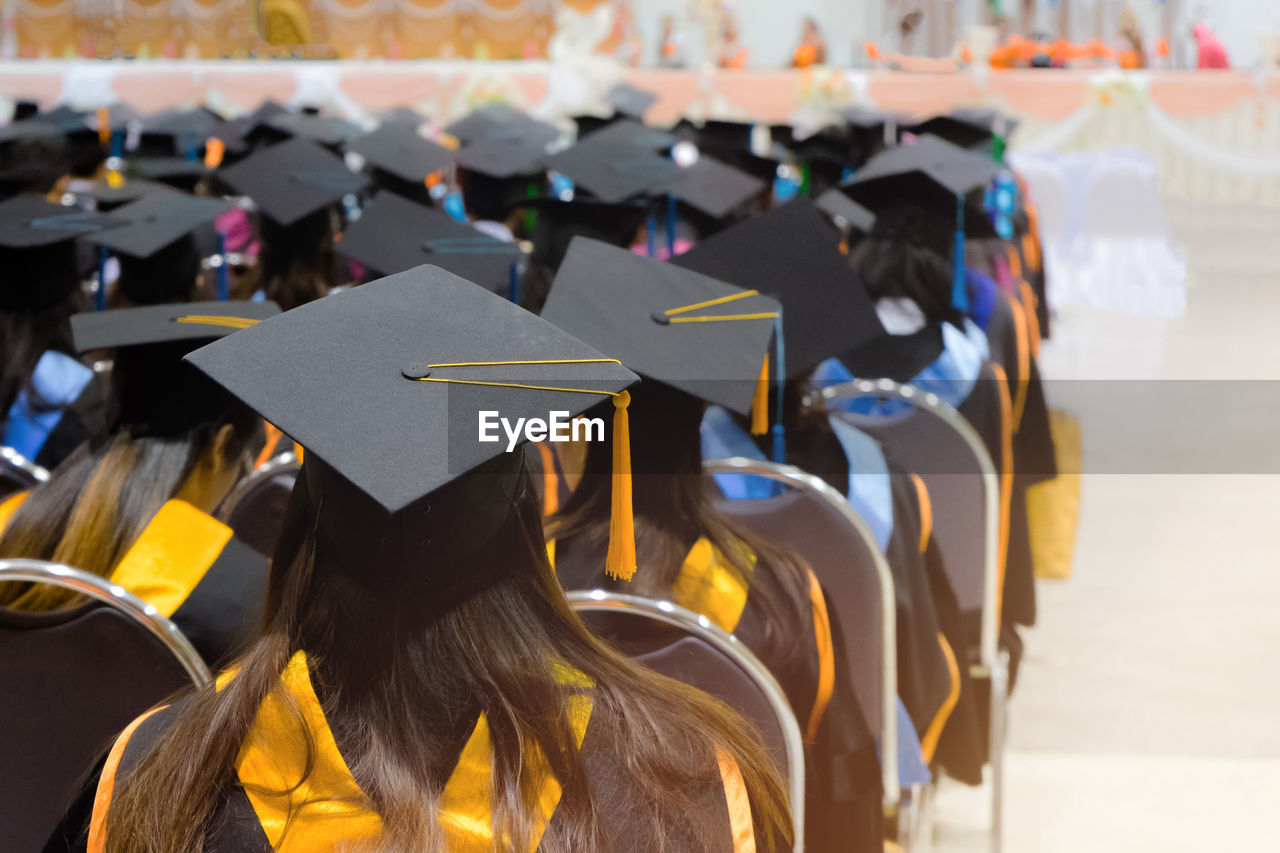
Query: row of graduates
point(168, 445)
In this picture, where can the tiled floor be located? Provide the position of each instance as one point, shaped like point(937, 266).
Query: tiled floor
point(1148, 714)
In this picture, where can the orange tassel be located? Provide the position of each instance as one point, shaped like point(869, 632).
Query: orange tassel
point(214, 150)
point(760, 402)
point(621, 560)
point(104, 125)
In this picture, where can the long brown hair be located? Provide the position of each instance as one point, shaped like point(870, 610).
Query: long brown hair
point(39, 292)
point(101, 498)
point(402, 668)
point(673, 509)
point(296, 264)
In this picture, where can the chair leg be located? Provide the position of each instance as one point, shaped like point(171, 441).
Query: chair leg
point(999, 706)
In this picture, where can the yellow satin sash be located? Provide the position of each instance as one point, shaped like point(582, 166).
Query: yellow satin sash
point(325, 810)
point(9, 507)
point(172, 556)
point(709, 584)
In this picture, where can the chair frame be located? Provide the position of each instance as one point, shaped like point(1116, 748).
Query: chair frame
point(600, 600)
point(993, 662)
point(119, 599)
point(36, 472)
point(270, 468)
point(790, 475)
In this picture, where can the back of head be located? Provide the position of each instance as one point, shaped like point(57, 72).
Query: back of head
point(296, 264)
point(39, 291)
point(169, 275)
point(906, 256)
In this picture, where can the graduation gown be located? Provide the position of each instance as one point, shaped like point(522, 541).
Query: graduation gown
point(193, 570)
point(329, 811)
point(709, 584)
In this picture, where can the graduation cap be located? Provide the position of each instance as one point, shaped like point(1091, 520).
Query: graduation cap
point(329, 131)
point(37, 252)
point(629, 101)
point(790, 254)
point(713, 188)
point(928, 192)
point(292, 179)
point(180, 172)
point(629, 134)
point(154, 393)
point(968, 128)
point(395, 234)
point(698, 335)
point(502, 124)
point(155, 220)
point(400, 158)
point(108, 197)
point(384, 384)
point(403, 117)
point(502, 159)
point(158, 256)
point(613, 166)
point(177, 132)
point(844, 211)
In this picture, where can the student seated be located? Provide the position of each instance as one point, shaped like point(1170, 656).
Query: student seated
point(421, 683)
point(134, 504)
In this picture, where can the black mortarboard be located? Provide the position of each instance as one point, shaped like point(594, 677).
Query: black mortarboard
point(929, 194)
point(37, 254)
point(193, 323)
point(502, 159)
point(403, 117)
point(790, 254)
point(844, 211)
point(395, 234)
point(383, 385)
point(108, 197)
point(398, 150)
point(589, 124)
point(154, 392)
point(968, 128)
point(31, 128)
point(502, 124)
point(176, 131)
point(629, 101)
point(928, 175)
point(28, 221)
point(180, 172)
point(712, 188)
point(156, 220)
point(630, 134)
point(615, 165)
point(632, 304)
point(867, 118)
point(329, 131)
point(720, 137)
point(292, 179)
point(560, 221)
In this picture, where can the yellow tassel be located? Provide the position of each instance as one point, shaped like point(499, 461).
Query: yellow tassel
point(760, 403)
point(621, 560)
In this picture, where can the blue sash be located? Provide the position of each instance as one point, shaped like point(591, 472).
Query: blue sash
point(56, 382)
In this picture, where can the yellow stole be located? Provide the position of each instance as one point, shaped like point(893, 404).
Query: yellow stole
point(172, 556)
point(709, 584)
point(326, 810)
point(9, 507)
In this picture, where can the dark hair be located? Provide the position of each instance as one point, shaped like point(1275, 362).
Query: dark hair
point(296, 264)
point(169, 275)
point(897, 267)
point(39, 291)
point(101, 498)
point(673, 509)
point(492, 644)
